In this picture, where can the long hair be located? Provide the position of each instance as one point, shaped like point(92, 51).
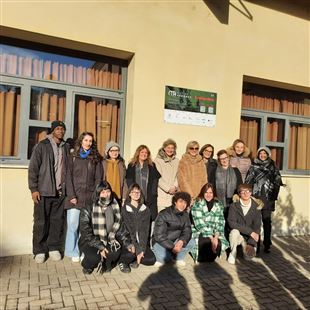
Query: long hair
point(135, 160)
point(99, 188)
point(204, 189)
point(94, 155)
point(131, 188)
point(238, 141)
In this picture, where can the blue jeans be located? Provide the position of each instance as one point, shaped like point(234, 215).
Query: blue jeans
point(72, 236)
point(164, 255)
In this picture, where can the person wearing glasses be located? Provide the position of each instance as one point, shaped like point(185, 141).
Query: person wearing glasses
point(192, 174)
point(136, 219)
point(167, 165)
point(207, 152)
point(266, 180)
point(114, 170)
point(244, 219)
point(239, 157)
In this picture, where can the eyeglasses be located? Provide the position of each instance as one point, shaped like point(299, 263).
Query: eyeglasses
point(246, 191)
point(194, 148)
point(208, 151)
point(224, 158)
point(135, 192)
point(115, 150)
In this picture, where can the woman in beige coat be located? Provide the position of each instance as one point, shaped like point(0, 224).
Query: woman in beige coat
point(192, 174)
point(167, 165)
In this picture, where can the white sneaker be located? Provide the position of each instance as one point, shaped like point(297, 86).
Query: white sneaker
point(54, 256)
point(40, 258)
point(158, 264)
point(231, 259)
point(180, 263)
point(75, 259)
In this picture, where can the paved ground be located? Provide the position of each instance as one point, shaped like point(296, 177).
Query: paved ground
point(279, 280)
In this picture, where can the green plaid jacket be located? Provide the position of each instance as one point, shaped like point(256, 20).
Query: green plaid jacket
point(208, 223)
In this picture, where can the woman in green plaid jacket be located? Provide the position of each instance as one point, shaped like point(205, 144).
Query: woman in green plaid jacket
point(208, 228)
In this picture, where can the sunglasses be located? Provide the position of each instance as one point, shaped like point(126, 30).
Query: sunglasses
point(194, 148)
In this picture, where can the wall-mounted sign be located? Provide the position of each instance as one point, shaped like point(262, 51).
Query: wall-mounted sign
point(189, 106)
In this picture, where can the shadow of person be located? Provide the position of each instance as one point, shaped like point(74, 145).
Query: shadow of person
point(215, 284)
point(274, 282)
point(166, 288)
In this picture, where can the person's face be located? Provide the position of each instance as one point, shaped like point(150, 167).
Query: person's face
point(245, 194)
point(181, 204)
point(105, 193)
point(239, 148)
point(262, 155)
point(207, 152)
point(208, 195)
point(114, 152)
point(224, 160)
point(193, 150)
point(169, 150)
point(143, 155)
point(87, 142)
point(135, 194)
point(59, 132)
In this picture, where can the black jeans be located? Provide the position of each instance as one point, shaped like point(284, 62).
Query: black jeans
point(48, 225)
point(92, 258)
point(205, 253)
point(266, 218)
point(127, 257)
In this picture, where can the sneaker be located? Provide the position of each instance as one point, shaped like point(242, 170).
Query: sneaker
point(158, 264)
point(87, 271)
point(40, 258)
point(231, 259)
point(124, 267)
point(180, 263)
point(134, 265)
point(75, 259)
point(54, 256)
point(250, 251)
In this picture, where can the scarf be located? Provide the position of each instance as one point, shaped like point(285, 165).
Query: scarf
point(84, 153)
point(210, 204)
point(106, 222)
point(113, 177)
point(162, 154)
point(142, 176)
point(226, 183)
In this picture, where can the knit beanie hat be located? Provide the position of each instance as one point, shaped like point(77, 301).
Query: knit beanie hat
point(56, 124)
point(264, 148)
point(109, 145)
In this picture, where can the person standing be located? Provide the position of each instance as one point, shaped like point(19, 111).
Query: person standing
point(266, 180)
point(46, 180)
point(207, 152)
point(167, 165)
point(83, 174)
point(114, 170)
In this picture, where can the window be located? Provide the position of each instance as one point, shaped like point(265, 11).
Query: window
point(38, 87)
point(279, 119)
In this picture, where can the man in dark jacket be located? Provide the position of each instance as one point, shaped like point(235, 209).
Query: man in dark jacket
point(245, 223)
point(46, 176)
point(172, 232)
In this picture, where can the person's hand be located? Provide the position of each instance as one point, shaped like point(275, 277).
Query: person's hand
point(104, 253)
point(35, 197)
point(255, 236)
point(132, 249)
point(73, 201)
point(172, 190)
point(139, 257)
point(178, 246)
point(214, 242)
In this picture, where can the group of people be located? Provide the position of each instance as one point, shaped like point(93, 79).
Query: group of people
point(151, 212)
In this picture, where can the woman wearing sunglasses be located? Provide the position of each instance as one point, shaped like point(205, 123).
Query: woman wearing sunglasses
point(192, 174)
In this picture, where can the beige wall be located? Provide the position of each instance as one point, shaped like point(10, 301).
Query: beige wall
point(174, 43)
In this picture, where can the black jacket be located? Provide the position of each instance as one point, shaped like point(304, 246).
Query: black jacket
point(88, 238)
point(211, 168)
point(81, 179)
point(152, 186)
point(41, 173)
point(245, 224)
point(137, 222)
point(172, 225)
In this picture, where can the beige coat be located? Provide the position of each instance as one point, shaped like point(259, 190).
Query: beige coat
point(192, 174)
point(168, 170)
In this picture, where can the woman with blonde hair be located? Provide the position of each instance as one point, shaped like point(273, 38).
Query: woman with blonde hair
point(142, 170)
point(167, 165)
point(192, 174)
